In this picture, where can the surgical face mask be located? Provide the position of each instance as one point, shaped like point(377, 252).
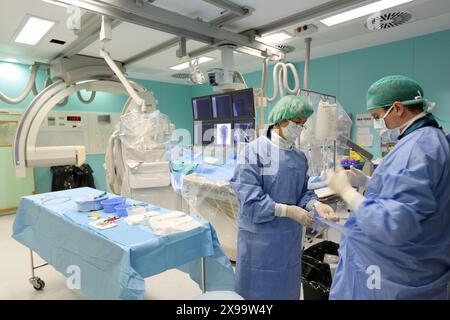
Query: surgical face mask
point(390, 135)
point(292, 131)
point(380, 126)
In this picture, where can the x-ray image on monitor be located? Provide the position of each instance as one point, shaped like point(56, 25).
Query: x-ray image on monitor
point(221, 107)
point(244, 131)
point(203, 133)
point(201, 108)
point(197, 133)
point(208, 134)
point(243, 104)
point(223, 134)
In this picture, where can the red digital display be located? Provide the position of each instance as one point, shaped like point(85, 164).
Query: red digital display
point(73, 118)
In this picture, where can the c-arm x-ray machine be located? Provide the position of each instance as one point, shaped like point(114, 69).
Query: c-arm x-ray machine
point(72, 75)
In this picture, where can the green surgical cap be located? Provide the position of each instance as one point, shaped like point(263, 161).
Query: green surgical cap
point(387, 90)
point(290, 107)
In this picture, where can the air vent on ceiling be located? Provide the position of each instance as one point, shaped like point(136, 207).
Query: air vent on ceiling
point(388, 20)
point(60, 42)
point(285, 48)
point(181, 75)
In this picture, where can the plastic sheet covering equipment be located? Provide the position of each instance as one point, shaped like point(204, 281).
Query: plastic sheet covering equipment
point(114, 262)
point(136, 154)
point(322, 142)
point(210, 196)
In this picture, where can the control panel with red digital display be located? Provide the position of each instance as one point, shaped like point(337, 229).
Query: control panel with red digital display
point(73, 118)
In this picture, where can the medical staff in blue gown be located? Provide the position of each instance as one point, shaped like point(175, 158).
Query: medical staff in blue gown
point(399, 241)
point(270, 181)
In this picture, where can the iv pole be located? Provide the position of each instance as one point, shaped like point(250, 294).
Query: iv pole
point(306, 84)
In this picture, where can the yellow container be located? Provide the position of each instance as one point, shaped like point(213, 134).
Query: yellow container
point(355, 156)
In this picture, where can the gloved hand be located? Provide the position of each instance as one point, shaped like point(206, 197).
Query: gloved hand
point(295, 213)
point(357, 177)
point(338, 181)
point(326, 211)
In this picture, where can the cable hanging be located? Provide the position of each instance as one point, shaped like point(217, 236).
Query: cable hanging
point(31, 86)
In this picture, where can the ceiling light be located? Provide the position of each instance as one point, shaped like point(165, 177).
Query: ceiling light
point(186, 64)
point(11, 60)
point(362, 11)
point(34, 30)
point(274, 37)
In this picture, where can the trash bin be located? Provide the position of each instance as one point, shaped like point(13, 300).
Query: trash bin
point(316, 274)
point(71, 177)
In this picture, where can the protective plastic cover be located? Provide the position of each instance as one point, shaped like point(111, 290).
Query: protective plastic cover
point(216, 202)
point(140, 141)
point(145, 137)
point(323, 128)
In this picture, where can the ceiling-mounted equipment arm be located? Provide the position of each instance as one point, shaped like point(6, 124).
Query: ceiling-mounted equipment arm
point(105, 36)
point(218, 22)
point(133, 94)
point(166, 21)
point(90, 27)
point(307, 63)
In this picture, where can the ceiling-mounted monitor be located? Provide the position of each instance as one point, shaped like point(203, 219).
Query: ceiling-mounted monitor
point(201, 108)
point(203, 133)
point(243, 104)
point(221, 107)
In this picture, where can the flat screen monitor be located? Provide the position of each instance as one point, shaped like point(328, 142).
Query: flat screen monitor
point(203, 133)
point(201, 108)
point(243, 104)
point(221, 107)
point(244, 130)
point(223, 133)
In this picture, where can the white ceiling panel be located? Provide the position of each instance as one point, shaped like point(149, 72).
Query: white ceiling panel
point(12, 17)
point(129, 40)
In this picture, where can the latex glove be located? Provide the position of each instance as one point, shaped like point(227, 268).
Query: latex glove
point(326, 211)
point(357, 177)
point(339, 182)
point(295, 213)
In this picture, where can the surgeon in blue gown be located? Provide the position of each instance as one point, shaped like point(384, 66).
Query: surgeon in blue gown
point(399, 241)
point(270, 181)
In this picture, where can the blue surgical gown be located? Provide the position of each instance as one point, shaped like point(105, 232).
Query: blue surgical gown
point(268, 262)
point(399, 244)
